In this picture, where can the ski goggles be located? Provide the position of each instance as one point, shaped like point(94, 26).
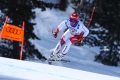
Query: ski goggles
point(74, 21)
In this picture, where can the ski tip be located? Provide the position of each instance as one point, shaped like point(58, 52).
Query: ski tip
point(49, 62)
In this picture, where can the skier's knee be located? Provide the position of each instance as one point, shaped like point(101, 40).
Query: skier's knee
point(63, 53)
point(62, 41)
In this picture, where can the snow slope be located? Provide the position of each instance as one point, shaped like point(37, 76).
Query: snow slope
point(26, 70)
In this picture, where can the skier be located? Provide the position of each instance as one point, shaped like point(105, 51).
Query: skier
point(76, 32)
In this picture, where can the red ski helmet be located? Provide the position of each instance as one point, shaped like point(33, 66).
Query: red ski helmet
point(74, 16)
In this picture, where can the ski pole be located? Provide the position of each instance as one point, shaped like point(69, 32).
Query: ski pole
point(50, 31)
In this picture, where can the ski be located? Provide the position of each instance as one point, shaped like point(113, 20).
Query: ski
point(63, 60)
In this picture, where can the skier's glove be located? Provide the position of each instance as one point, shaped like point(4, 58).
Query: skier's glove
point(81, 39)
point(55, 34)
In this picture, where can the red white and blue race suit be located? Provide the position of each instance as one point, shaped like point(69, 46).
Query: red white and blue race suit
point(72, 35)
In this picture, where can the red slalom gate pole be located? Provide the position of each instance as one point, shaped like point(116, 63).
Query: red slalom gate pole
point(91, 17)
point(22, 42)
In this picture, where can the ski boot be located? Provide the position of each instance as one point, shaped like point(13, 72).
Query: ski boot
point(52, 57)
point(59, 57)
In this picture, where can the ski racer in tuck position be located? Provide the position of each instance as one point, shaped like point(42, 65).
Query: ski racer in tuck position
point(76, 32)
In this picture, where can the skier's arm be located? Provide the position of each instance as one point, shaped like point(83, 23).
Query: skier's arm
point(83, 35)
point(60, 27)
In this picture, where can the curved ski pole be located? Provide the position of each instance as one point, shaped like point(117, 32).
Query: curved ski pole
point(52, 31)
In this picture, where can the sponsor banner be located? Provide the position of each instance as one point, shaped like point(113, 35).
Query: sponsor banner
point(12, 32)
